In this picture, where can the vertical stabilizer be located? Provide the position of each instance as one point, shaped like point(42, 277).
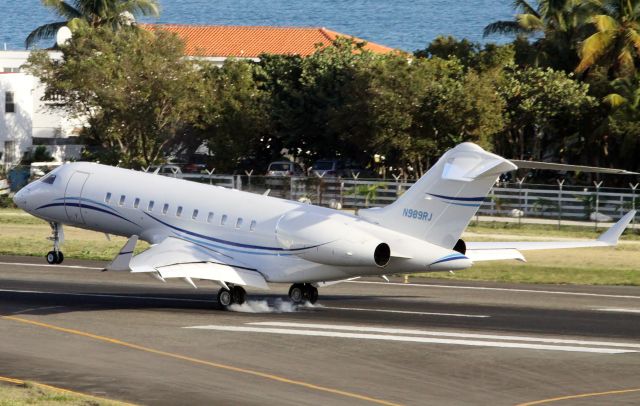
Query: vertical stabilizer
point(441, 204)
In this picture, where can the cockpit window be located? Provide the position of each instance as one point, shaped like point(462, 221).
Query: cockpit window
point(49, 179)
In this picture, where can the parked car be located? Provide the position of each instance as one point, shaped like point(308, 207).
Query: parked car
point(284, 168)
point(328, 168)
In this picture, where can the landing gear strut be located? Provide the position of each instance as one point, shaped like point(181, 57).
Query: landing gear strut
point(299, 293)
point(234, 295)
point(56, 256)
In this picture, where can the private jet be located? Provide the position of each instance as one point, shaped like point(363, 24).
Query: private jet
point(236, 239)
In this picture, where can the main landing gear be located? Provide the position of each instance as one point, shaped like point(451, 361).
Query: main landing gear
point(299, 293)
point(56, 256)
point(233, 295)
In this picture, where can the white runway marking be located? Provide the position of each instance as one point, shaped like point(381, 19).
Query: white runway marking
point(443, 334)
point(411, 339)
point(171, 299)
point(357, 309)
point(52, 266)
point(549, 292)
point(620, 310)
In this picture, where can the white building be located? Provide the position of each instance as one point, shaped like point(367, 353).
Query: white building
point(27, 121)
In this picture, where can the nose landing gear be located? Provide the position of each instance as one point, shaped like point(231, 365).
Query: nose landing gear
point(56, 256)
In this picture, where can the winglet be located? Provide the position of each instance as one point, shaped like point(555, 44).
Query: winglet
point(611, 236)
point(122, 260)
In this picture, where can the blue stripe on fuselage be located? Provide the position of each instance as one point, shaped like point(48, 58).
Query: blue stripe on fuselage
point(85, 206)
point(232, 243)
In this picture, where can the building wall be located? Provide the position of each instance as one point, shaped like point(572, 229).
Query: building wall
point(34, 122)
point(16, 127)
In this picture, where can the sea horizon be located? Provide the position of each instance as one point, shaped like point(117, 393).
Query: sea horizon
point(406, 25)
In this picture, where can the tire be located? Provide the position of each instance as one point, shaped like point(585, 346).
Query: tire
point(225, 298)
point(312, 294)
point(238, 294)
point(296, 293)
point(60, 257)
point(52, 258)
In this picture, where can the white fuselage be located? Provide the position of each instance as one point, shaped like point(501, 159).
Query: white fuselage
point(285, 241)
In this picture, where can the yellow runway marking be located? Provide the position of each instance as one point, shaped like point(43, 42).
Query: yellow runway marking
point(55, 388)
point(203, 362)
point(584, 395)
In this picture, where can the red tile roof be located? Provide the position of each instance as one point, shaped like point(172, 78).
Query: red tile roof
point(251, 41)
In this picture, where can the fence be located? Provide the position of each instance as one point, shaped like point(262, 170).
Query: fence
point(561, 202)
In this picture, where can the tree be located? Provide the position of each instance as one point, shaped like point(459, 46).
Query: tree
point(624, 121)
point(232, 115)
point(545, 110)
point(423, 107)
point(470, 54)
point(319, 105)
point(134, 89)
point(557, 27)
point(616, 42)
point(92, 13)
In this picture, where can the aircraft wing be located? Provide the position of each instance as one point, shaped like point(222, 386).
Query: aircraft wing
point(176, 258)
point(490, 251)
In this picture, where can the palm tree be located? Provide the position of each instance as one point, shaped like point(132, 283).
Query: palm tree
point(559, 25)
point(93, 13)
point(616, 42)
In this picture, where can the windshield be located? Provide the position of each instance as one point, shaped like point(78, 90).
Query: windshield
point(49, 178)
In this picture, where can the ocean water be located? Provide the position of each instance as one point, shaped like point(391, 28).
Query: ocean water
point(403, 24)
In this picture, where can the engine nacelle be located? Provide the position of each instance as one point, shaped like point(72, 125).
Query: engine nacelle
point(330, 242)
point(345, 253)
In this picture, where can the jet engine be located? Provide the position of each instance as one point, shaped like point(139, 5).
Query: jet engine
point(330, 242)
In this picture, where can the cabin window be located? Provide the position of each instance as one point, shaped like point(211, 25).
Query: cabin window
point(210, 217)
point(223, 220)
point(165, 208)
point(252, 226)
point(239, 222)
point(179, 211)
point(150, 206)
point(107, 198)
point(122, 199)
point(195, 214)
point(136, 203)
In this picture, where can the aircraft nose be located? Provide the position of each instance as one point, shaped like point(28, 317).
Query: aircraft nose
point(20, 199)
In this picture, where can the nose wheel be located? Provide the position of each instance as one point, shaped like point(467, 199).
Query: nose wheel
point(299, 293)
point(56, 256)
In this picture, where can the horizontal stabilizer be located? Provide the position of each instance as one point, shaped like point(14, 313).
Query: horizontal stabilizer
point(477, 255)
point(486, 251)
point(571, 168)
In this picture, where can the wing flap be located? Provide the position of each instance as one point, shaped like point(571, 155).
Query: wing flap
point(176, 258)
point(214, 272)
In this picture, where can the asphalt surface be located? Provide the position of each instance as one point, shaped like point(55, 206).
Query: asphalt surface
point(134, 339)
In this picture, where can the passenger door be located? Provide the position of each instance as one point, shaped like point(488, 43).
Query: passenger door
point(73, 197)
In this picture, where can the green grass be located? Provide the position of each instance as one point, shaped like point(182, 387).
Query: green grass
point(21, 234)
point(546, 230)
point(34, 394)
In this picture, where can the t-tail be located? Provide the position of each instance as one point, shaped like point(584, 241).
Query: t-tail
point(441, 204)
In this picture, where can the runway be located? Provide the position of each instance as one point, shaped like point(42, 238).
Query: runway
point(134, 339)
